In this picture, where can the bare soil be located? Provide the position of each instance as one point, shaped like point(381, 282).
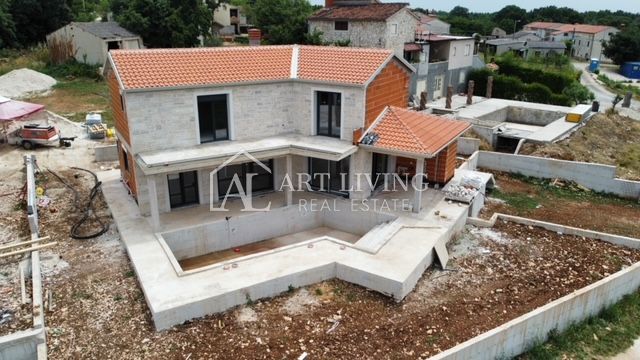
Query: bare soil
point(494, 276)
point(577, 208)
point(606, 139)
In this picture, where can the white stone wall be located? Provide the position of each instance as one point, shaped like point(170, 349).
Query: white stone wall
point(256, 111)
point(361, 33)
point(461, 54)
point(407, 24)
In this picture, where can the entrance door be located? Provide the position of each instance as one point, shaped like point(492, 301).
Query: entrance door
point(379, 169)
point(438, 90)
point(183, 189)
point(330, 176)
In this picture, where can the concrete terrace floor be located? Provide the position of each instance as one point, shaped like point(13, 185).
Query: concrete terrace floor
point(393, 269)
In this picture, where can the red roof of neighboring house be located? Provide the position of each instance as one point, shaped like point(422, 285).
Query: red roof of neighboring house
point(370, 12)
point(161, 68)
point(414, 132)
point(543, 25)
point(581, 28)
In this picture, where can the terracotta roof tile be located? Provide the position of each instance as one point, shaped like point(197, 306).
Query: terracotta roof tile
point(158, 68)
point(410, 131)
point(581, 28)
point(370, 12)
point(340, 64)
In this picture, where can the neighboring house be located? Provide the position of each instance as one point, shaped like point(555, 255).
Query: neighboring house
point(524, 49)
point(498, 33)
point(230, 20)
point(587, 40)
point(440, 61)
point(91, 41)
point(542, 29)
point(181, 113)
point(368, 24)
point(431, 24)
point(525, 36)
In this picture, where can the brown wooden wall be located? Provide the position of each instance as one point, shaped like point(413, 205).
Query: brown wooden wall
point(119, 115)
point(439, 169)
point(128, 176)
point(389, 88)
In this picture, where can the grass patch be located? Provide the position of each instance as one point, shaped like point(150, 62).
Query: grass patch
point(521, 202)
point(619, 87)
point(611, 332)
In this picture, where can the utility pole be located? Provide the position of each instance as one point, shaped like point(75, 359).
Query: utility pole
point(515, 26)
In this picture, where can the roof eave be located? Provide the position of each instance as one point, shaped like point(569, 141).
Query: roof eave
point(241, 83)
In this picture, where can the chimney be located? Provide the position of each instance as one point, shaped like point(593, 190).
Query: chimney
point(255, 35)
point(328, 3)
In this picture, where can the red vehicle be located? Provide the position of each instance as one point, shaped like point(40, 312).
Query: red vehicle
point(32, 135)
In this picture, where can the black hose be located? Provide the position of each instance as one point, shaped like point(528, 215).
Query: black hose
point(89, 212)
point(76, 195)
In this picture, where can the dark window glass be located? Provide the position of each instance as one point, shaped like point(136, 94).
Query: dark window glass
point(341, 25)
point(261, 181)
point(337, 180)
point(213, 118)
point(328, 113)
point(183, 189)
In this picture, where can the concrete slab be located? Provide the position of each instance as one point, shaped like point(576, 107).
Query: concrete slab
point(393, 270)
point(554, 131)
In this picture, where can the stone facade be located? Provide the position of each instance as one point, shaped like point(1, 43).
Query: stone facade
point(391, 34)
point(258, 110)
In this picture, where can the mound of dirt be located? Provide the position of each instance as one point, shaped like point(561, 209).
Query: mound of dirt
point(23, 83)
point(606, 139)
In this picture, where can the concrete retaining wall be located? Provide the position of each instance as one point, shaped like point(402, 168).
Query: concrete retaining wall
point(593, 176)
point(467, 146)
point(106, 153)
point(519, 335)
point(242, 230)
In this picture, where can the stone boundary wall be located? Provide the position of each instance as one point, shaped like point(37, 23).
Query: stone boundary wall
point(518, 335)
point(468, 146)
point(106, 153)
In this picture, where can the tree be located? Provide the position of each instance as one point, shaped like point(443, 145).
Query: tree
point(7, 27)
point(36, 18)
point(164, 23)
point(459, 11)
point(578, 93)
point(282, 21)
point(624, 46)
point(511, 18)
point(555, 14)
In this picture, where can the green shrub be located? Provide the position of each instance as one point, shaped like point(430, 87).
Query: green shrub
point(73, 69)
point(537, 93)
point(560, 100)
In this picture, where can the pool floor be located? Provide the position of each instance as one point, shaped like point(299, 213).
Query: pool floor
point(265, 245)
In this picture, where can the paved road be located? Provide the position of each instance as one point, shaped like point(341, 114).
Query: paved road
point(603, 96)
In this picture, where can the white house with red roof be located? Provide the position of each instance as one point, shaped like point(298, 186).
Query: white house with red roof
point(587, 40)
point(182, 113)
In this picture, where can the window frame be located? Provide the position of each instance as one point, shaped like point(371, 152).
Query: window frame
point(230, 127)
point(341, 22)
point(316, 114)
point(394, 29)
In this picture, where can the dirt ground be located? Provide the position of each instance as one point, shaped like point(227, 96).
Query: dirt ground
point(611, 140)
point(494, 276)
point(563, 205)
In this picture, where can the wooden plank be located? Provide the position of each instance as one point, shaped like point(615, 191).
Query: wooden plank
point(11, 246)
point(33, 248)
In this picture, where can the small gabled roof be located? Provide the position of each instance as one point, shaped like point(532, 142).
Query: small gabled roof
point(412, 132)
point(105, 30)
point(198, 67)
point(581, 28)
point(369, 12)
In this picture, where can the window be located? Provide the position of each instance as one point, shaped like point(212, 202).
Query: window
point(125, 160)
point(122, 103)
point(261, 179)
point(467, 50)
point(328, 113)
point(394, 29)
point(213, 118)
point(341, 25)
point(113, 45)
point(579, 42)
point(183, 189)
point(330, 176)
point(455, 50)
point(588, 43)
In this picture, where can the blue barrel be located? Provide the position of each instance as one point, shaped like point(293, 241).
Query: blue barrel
point(594, 65)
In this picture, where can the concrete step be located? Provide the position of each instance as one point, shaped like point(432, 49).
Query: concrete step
point(377, 237)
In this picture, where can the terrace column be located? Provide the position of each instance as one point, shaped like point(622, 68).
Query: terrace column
point(423, 100)
point(627, 100)
point(288, 193)
point(417, 186)
point(470, 90)
point(449, 97)
point(153, 203)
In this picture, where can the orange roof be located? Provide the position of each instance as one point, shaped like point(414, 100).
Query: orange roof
point(412, 132)
point(581, 28)
point(543, 25)
point(161, 68)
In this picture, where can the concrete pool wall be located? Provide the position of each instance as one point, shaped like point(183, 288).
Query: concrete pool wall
point(258, 226)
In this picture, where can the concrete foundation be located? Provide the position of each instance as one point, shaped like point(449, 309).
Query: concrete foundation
point(390, 262)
